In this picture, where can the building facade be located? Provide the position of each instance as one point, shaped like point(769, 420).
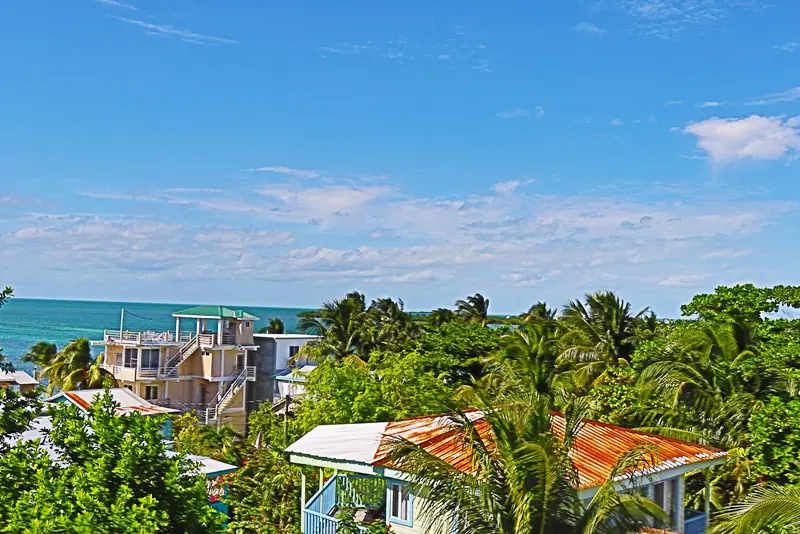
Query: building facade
point(205, 365)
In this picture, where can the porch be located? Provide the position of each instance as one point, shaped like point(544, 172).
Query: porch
point(365, 495)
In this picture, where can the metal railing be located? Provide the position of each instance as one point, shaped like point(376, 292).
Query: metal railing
point(248, 374)
point(694, 522)
point(228, 339)
point(185, 351)
point(342, 491)
point(147, 336)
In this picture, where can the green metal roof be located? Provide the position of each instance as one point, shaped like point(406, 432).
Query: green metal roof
point(215, 312)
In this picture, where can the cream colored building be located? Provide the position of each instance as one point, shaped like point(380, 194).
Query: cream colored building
point(206, 367)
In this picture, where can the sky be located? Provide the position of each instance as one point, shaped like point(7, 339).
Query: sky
point(284, 153)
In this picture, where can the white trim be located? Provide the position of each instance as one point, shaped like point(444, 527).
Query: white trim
point(653, 478)
point(364, 469)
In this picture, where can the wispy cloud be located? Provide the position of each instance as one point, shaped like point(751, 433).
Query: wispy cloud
point(673, 102)
point(787, 47)
point(753, 137)
point(617, 122)
point(185, 35)
point(776, 98)
point(117, 3)
point(538, 111)
point(708, 104)
point(515, 113)
point(588, 27)
point(684, 279)
point(666, 19)
point(508, 186)
point(289, 171)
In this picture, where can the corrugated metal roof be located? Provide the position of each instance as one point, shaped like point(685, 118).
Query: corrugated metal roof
point(216, 312)
point(127, 400)
point(18, 377)
point(596, 449)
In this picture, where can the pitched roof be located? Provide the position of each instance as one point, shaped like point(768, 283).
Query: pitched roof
point(18, 377)
point(128, 401)
point(215, 312)
point(594, 455)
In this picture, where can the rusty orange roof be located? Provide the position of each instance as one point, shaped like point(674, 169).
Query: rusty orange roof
point(594, 454)
point(127, 401)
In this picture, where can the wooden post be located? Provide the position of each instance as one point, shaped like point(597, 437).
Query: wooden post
point(707, 503)
point(303, 502)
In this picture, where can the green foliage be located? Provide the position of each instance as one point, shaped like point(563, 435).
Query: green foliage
point(612, 400)
point(743, 303)
point(73, 367)
point(474, 309)
point(5, 294)
point(193, 437)
point(109, 474)
point(775, 441)
point(275, 326)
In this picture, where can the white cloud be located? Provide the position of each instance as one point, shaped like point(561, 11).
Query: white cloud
point(666, 19)
point(509, 186)
point(781, 97)
point(755, 137)
point(588, 27)
point(708, 104)
point(539, 112)
point(289, 171)
point(185, 35)
point(617, 122)
point(515, 113)
point(684, 279)
point(787, 47)
point(116, 3)
point(673, 103)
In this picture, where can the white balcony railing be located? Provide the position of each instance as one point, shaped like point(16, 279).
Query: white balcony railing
point(145, 337)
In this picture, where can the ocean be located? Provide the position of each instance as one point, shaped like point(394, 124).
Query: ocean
point(24, 322)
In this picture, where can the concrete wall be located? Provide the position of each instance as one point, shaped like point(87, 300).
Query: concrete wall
point(264, 359)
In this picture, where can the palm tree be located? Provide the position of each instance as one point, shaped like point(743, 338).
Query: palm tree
point(520, 479)
point(275, 326)
point(75, 368)
point(41, 354)
point(388, 323)
point(539, 312)
point(527, 358)
point(475, 309)
point(599, 334)
point(341, 326)
point(766, 508)
point(441, 316)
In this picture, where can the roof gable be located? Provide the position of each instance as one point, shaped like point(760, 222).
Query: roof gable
point(215, 312)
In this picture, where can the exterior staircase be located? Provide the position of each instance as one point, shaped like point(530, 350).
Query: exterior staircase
point(219, 404)
point(170, 370)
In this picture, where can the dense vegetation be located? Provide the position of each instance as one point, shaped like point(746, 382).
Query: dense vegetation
point(727, 374)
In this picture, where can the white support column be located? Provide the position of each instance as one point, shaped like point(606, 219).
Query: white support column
point(321, 478)
point(220, 322)
point(679, 498)
point(198, 326)
point(177, 329)
point(222, 364)
point(707, 495)
point(303, 502)
point(166, 389)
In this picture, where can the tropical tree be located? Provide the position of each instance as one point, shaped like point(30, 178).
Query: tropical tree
point(275, 326)
point(539, 312)
point(527, 358)
point(441, 316)
point(341, 326)
point(599, 334)
point(41, 354)
point(767, 508)
point(475, 309)
point(521, 479)
point(388, 324)
point(74, 367)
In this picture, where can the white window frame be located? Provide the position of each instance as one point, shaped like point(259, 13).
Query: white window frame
point(397, 489)
point(151, 388)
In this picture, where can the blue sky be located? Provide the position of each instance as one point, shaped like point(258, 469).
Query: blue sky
point(274, 153)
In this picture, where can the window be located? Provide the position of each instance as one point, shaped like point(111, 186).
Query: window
point(663, 496)
point(131, 357)
point(240, 361)
point(400, 504)
point(247, 324)
point(150, 392)
point(128, 387)
point(293, 350)
point(118, 359)
point(150, 358)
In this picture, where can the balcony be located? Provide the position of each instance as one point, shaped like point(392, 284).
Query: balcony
point(694, 522)
point(365, 494)
point(147, 337)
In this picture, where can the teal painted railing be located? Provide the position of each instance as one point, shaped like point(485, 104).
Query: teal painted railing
point(694, 522)
point(342, 491)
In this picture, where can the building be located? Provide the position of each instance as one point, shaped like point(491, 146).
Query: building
point(365, 479)
point(279, 352)
point(18, 380)
point(126, 400)
point(206, 368)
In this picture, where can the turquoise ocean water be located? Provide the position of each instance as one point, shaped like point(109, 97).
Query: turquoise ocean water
point(23, 322)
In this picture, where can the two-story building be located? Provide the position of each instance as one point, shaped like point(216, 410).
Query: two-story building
point(18, 380)
point(366, 478)
point(206, 367)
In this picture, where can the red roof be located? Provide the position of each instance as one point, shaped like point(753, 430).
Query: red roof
point(595, 451)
